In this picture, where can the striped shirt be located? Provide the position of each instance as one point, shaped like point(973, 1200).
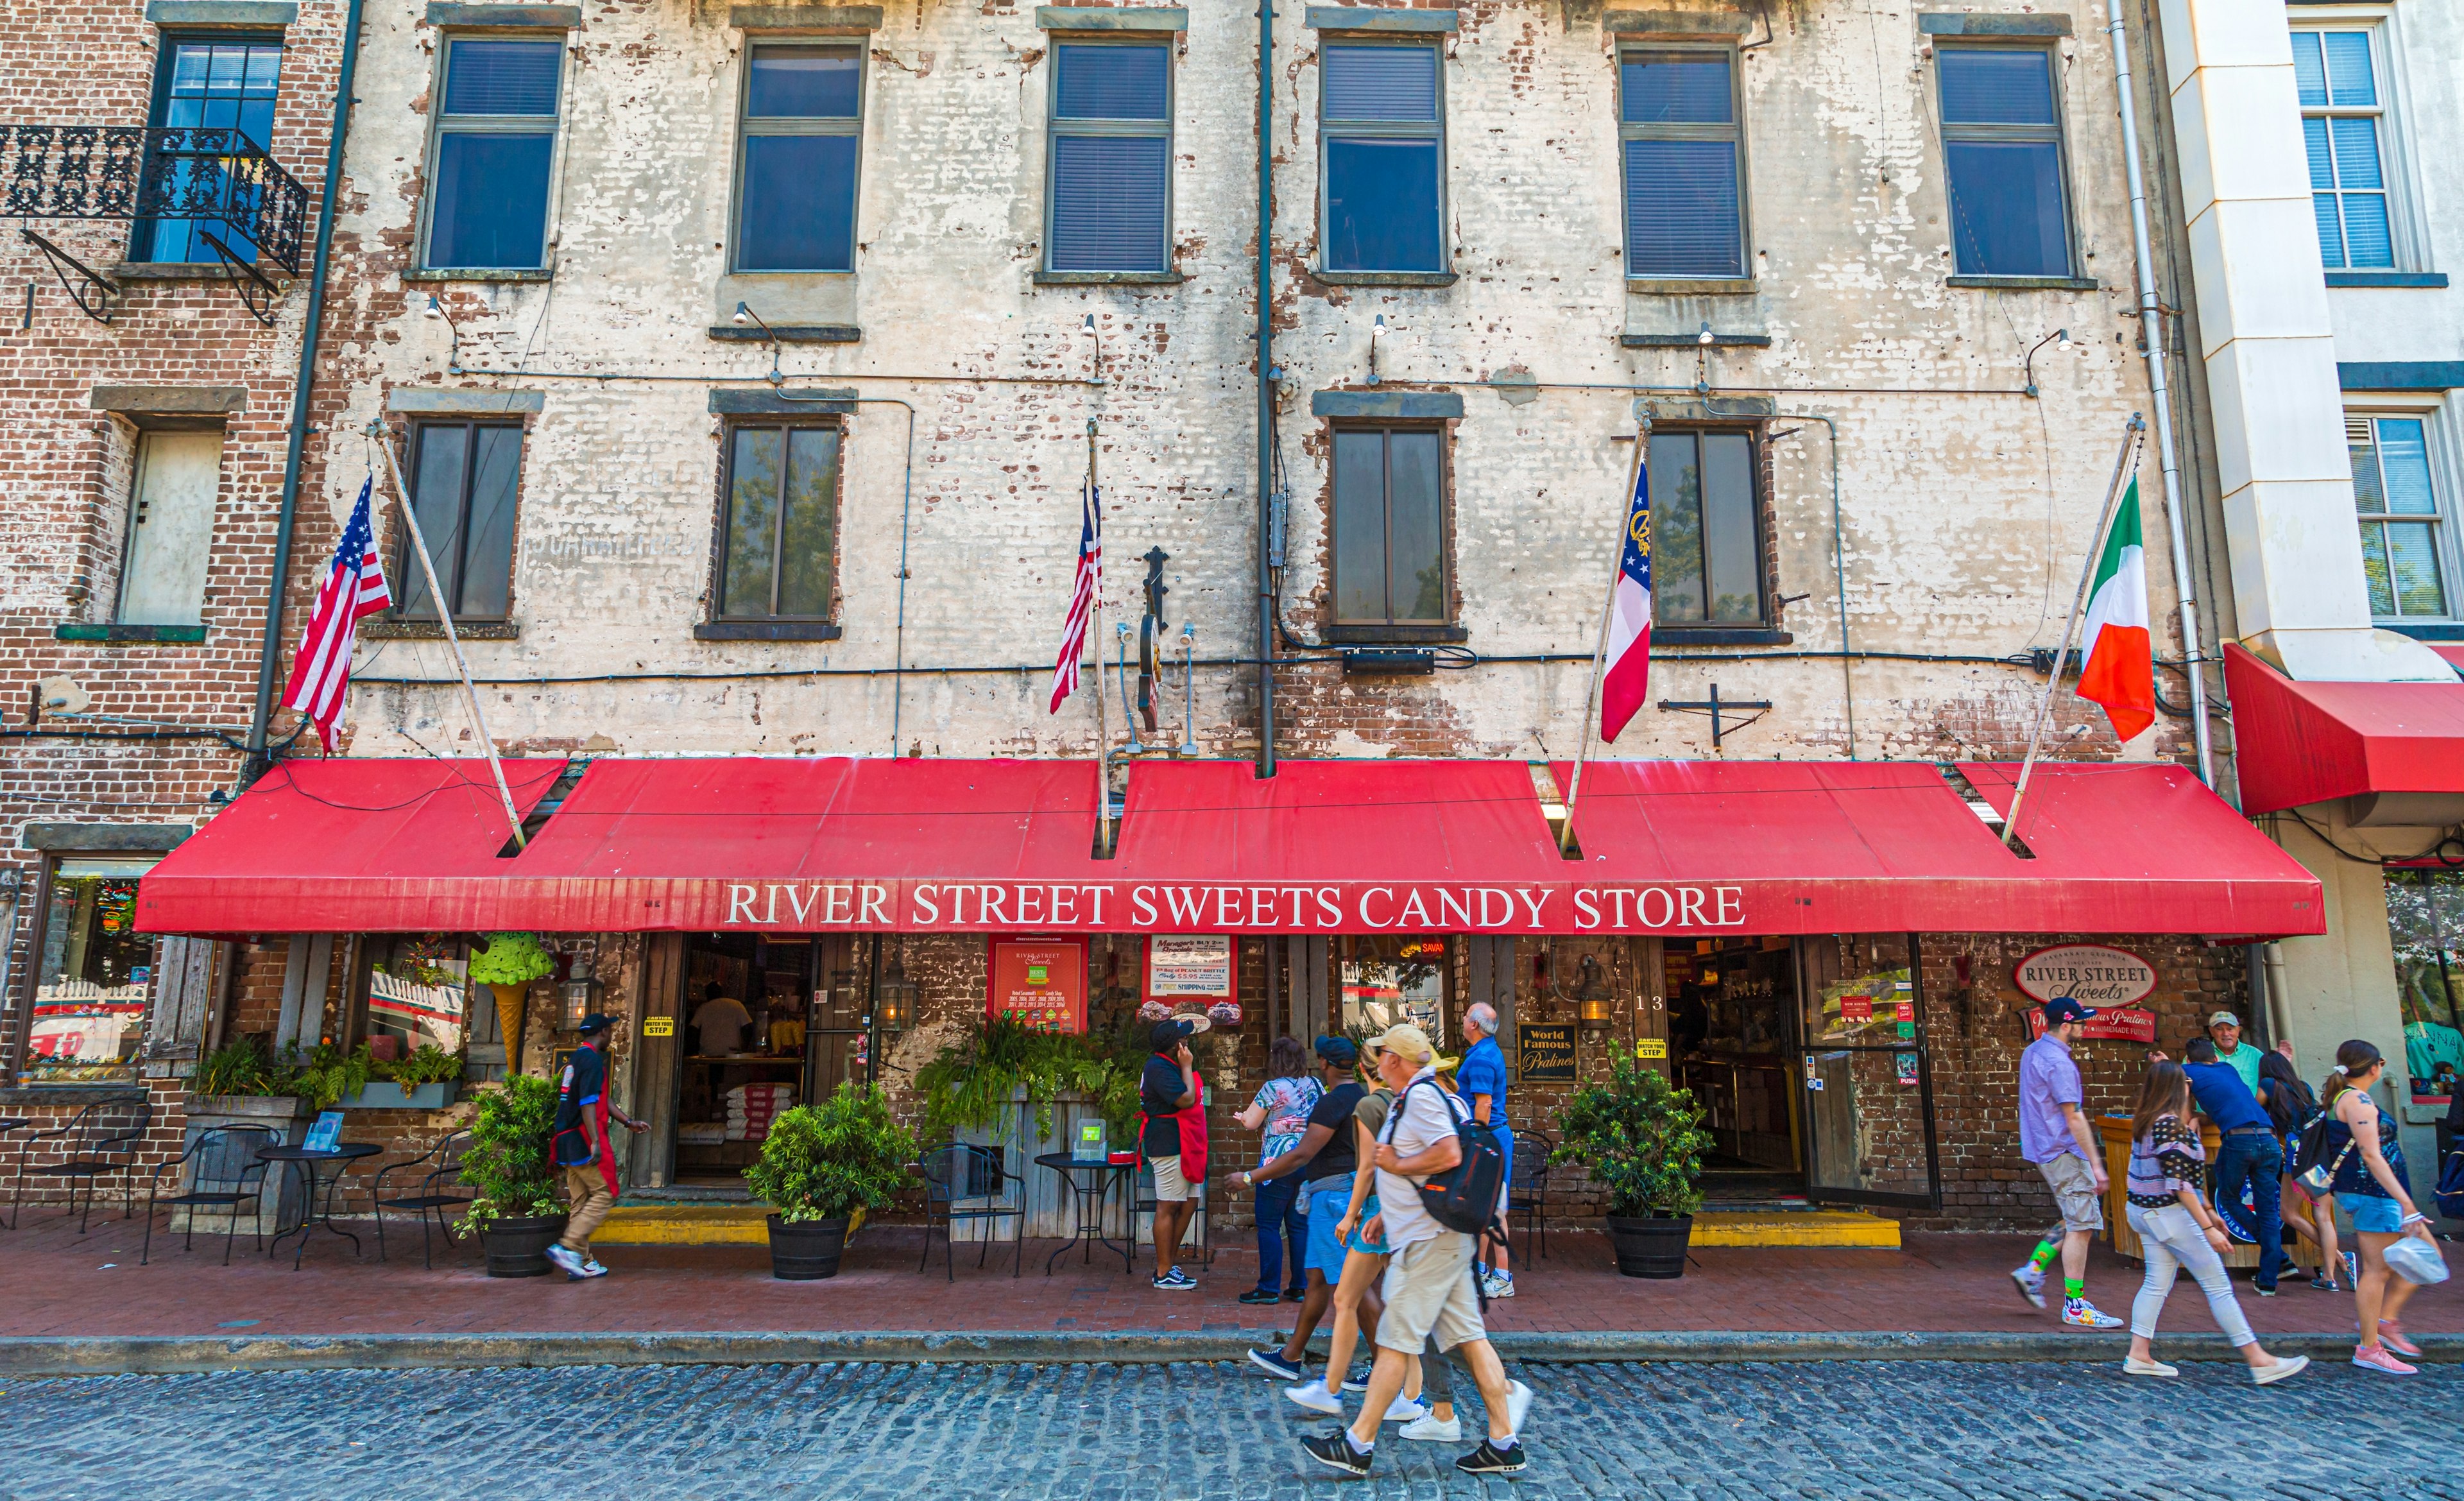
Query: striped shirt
point(2164, 1161)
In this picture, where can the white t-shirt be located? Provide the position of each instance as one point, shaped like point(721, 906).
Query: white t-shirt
point(722, 1021)
point(1423, 1115)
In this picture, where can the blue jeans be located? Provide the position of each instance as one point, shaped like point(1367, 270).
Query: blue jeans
point(1276, 1204)
point(2254, 1156)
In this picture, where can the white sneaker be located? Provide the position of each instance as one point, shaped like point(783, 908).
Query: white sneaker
point(1314, 1395)
point(1430, 1431)
point(1518, 1403)
point(2133, 1366)
point(2031, 1279)
point(568, 1261)
point(1403, 1409)
point(1498, 1285)
point(2080, 1313)
point(2284, 1367)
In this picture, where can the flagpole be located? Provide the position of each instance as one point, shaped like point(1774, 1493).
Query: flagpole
point(1103, 738)
point(2095, 551)
point(1608, 609)
point(445, 615)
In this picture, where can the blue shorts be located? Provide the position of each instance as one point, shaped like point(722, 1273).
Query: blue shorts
point(1328, 1198)
point(1506, 1185)
point(1353, 1242)
point(2373, 1214)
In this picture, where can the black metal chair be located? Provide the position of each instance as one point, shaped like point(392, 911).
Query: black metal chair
point(221, 1171)
point(103, 1137)
point(9, 1126)
point(966, 1182)
point(431, 1198)
point(1528, 1193)
point(1202, 1217)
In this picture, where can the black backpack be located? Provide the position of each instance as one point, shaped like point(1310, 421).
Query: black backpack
point(1465, 1197)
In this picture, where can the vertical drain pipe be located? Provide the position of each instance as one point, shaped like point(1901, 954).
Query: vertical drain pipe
point(1265, 390)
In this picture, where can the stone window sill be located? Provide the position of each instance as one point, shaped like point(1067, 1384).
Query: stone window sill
point(1720, 636)
point(121, 634)
point(1692, 286)
point(1109, 279)
point(1394, 636)
point(2027, 283)
point(1386, 279)
point(391, 629)
point(1719, 341)
point(765, 630)
point(79, 1092)
point(190, 271)
point(475, 274)
point(789, 333)
point(2386, 278)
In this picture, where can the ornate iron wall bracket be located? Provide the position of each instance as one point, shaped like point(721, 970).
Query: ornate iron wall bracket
point(92, 291)
point(256, 293)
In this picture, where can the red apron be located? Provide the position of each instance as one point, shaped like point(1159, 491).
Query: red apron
point(1193, 1135)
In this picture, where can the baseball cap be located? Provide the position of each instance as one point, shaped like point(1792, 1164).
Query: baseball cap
point(1339, 1050)
point(595, 1022)
point(2063, 1008)
point(2224, 1019)
point(1406, 1039)
point(1163, 1034)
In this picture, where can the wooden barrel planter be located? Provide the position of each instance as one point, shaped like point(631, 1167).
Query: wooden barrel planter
point(518, 1247)
point(805, 1250)
point(1651, 1247)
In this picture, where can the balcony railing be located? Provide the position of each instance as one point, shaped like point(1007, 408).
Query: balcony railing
point(211, 177)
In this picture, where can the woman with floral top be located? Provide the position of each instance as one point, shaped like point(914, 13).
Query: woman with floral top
point(2176, 1228)
point(1281, 1109)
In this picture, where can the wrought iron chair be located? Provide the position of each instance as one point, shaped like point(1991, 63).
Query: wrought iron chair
point(433, 1195)
point(966, 1182)
point(221, 1170)
point(103, 1137)
point(1528, 1193)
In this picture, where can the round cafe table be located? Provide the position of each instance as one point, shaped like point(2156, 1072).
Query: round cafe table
point(308, 1160)
point(1089, 1184)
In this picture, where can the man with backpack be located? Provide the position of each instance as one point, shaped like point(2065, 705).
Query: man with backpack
point(1431, 1160)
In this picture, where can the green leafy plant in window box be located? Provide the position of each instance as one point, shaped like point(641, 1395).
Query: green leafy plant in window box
point(970, 1084)
point(332, 1073)
point(428, 1064)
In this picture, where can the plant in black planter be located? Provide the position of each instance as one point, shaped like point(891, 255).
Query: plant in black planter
point(515, 1209)
point(820, 1165)
point(1642, 1141)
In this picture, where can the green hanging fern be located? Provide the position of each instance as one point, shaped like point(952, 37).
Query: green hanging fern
point(969, 1084)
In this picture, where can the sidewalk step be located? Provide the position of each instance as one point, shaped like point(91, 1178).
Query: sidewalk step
point(1802, 1227)
point(685, 1225)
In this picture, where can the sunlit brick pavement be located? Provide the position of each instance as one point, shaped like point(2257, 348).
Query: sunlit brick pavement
point(1861, 1429)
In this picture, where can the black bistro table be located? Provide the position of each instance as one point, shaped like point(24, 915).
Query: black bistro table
point(308, 1160)
point(1089, 1194)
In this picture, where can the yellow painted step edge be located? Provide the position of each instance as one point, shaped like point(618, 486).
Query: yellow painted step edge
point(1855, 1231)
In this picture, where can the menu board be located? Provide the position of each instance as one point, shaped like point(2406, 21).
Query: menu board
point(1041, 981)
point(1189, 967)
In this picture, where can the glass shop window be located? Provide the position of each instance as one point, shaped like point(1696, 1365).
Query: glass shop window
point(92, 972)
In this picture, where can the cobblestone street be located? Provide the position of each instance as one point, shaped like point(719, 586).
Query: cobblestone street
point(1138, 1431)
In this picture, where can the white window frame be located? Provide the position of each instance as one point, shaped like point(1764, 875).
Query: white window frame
point(2394, 109)
point(2446, 482)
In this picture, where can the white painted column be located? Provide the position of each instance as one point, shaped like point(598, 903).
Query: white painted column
point(2269, 347)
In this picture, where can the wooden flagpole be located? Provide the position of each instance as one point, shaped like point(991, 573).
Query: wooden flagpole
point(2121, 466)
point(1608, 610)
point(445, 615)
point(1103, 733)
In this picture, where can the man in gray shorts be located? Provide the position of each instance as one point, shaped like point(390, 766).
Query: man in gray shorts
point(1429, 1288)
point(2054, 1134)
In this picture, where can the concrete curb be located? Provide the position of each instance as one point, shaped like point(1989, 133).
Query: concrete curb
point(157, 1355)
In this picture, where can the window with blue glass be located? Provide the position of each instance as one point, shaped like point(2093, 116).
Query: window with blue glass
point(2404, 548)
point(796, 176)
point(466, 481)
point(493, 156)
point(1678, 118)
point(1382, 148)
point(203, 88)
point(2002, 152)
point(1111, 179)
point(2340, 112)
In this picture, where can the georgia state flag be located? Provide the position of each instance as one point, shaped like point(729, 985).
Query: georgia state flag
point(1628, 652)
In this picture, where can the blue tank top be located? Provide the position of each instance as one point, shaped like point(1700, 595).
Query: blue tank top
point(2353, 1174)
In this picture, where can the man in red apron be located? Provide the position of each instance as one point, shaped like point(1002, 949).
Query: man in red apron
point(580, 1146)
point(1171, 1138)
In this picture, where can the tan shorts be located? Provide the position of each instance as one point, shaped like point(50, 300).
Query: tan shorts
point(1429, 1295)
point(1170, 1186)
point(2073, 1185)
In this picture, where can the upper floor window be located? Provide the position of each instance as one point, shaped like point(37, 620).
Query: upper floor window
point(1382, 156)
point(1112, 157)
point(2341, 110)
point(2402, 553)
point(778, 542)
point(1685, 152)
point(464, 478)
point(206, 85)
point(170, 528)
point(796, 192)
point(1390, 526)
point(2002, 150)
point(1706, 549)
point(494, 154)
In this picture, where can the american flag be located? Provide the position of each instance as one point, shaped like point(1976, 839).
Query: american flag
point(1629, 653)
point(1082, 598)
point(353, 588)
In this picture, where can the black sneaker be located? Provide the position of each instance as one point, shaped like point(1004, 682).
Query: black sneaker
point(1335, 1452)
point(1270, 1360)
point(1295, 1295)
point(1485, 1460)
point(1260, 1295)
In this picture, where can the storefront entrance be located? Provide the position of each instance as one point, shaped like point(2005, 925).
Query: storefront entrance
point(764, 1025)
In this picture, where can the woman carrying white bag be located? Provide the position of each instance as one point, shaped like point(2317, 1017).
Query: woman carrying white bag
point(2369, 1184)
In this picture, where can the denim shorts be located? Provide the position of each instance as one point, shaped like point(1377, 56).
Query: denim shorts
point(2373, 1214)
point(1328, 1198)
point(1355, 1241)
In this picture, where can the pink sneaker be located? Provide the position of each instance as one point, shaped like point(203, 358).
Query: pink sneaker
point(2391, 1336)
point(2374, 1357)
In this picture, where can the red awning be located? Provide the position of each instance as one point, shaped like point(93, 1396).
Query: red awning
point(1323, 846)
point(2299, 743)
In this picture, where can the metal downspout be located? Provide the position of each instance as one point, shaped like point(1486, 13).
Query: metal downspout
point(1265, 388)
point(302, 389)
point(2151, 324)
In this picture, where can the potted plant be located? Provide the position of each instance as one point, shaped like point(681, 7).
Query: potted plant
point(1642, 1141)
point(424, 1080)
point(332, 1073)
point(822, 1165)
point(514, 1209)
point(507, 966)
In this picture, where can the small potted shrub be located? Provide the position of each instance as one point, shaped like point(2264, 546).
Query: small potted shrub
point(515, 1209)
point(1642, 1141)
point(507, 966)
point(820, 1166)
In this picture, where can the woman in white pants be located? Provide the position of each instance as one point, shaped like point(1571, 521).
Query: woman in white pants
point(2176, 1228)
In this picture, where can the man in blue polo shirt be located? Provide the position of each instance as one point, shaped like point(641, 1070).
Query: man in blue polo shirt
point(2248, 1154)
point(1481, 1079)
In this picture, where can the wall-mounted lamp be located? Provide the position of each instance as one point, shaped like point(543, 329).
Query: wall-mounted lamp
point(2057, 335)
point(1376, 332)
point(578, 994)
point(1704, 337)
point(1096, 335)
point(435, 308)
point(746, 315)
point(893, 1000)
point(1188, 745)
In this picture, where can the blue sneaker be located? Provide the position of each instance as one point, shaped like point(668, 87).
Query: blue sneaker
point(1271, 1360)
point(568, 1261)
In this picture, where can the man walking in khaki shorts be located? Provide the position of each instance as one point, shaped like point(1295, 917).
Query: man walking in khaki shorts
point(2054, 1134)
point(1429, 1290)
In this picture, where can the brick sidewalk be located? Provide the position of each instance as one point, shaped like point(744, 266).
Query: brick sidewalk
point(54, 1282)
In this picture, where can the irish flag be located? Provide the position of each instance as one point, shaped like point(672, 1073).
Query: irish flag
point(2120, 670)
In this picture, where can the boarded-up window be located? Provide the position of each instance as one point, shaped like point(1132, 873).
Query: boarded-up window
point(170, 529)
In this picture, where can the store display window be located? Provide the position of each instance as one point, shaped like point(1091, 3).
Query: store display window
point(92, 972)
point(2426, 924)
point(1387, 980)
